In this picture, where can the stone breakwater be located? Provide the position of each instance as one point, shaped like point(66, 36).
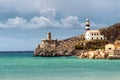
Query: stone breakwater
point(97, 54)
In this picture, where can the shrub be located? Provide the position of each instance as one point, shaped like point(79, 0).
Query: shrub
point(79, 47)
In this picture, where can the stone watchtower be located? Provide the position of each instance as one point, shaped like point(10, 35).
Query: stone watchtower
point(49, 42)
point(49, 36)
point(87, 27)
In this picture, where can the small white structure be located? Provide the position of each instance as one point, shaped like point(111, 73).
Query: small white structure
point(113, 50)
point(112, 46)
point(92, 34)
point(109, 47)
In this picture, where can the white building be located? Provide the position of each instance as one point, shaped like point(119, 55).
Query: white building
point(92, 34)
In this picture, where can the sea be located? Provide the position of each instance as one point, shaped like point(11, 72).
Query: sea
point(17, 65)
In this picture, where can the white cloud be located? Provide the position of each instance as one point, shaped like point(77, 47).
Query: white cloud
point(71, 22)
point(100, 10)
point(41, 21)
point(16, 21)
point(13, 23)
point(46, 20)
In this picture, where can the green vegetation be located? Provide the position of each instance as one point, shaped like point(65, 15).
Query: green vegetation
point(80, 47)
point(92, 45)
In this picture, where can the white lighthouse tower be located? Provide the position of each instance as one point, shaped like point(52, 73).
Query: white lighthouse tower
point(87, 25)
point(92, 34)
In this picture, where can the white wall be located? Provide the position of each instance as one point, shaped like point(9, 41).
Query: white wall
point(92, 36)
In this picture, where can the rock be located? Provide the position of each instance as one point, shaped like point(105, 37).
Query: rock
point(98, 57)
point(98, 54)
point(51, 52)
point(102, 54)
point(91, 54)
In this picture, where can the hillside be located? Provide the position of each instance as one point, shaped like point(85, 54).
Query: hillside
point(112, 32)
point(67, 47)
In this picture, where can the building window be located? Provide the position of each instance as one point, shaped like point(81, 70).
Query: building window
point(110, 48)
point(92, 38)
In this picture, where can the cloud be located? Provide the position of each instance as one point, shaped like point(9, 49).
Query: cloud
point(13, 23)
point(71, 22)
point(48, 12)
point(41, 21)
point(16, 21)
point(100, 11)
point(46, 20)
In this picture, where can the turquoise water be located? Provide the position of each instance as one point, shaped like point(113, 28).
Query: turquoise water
point(23, 66)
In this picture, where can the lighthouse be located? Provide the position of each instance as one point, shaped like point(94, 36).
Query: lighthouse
point(92, 34)
point(87, 24)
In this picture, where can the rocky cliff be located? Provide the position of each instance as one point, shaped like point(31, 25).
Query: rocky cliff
point(64, 47)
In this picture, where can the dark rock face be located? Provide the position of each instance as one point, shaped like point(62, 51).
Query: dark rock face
point(112, 33)
point(51, 52)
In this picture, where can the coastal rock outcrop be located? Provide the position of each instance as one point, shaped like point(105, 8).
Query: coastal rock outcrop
point(97, 54)
point(50, 47)
point(51, 52)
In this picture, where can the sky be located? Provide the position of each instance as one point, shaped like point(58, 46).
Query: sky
point(24, 23)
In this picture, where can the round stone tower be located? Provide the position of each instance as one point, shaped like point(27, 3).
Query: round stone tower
point(49, 36)
point(87, 24)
